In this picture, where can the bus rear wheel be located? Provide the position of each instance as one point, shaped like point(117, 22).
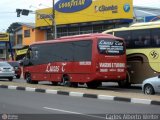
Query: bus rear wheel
point(66, 81)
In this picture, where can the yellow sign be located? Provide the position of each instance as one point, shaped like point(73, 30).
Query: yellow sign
point(71, 12)
point(4, 37)
point(21, 52)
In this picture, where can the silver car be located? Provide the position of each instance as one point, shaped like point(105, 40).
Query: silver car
point(6, 70)
point(151, 86)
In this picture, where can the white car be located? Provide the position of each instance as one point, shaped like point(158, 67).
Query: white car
point(151, 86)
point(6, 70)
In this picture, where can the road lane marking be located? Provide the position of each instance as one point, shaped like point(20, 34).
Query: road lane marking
point(71, 112)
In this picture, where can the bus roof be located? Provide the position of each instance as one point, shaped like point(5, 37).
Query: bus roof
point(145, 24)
point(136, 26)
point(77, 37)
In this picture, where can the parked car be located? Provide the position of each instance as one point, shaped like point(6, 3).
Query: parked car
point(17, 68)
point(151, 86)
point(6, 70)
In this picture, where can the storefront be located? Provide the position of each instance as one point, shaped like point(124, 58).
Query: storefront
point(5, 47)
point(85, 16)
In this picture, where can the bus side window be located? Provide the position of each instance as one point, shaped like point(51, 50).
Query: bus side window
point(156, 37)
point(147, 41)
point(141, 38)
point(156, 40)
point(127, 37)
point(34, 55)
point(139, 41)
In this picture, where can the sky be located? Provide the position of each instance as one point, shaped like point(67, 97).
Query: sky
point(8, 8)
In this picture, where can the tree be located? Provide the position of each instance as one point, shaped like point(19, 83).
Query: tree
point(13, 27)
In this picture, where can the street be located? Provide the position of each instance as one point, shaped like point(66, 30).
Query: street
point(22, 102)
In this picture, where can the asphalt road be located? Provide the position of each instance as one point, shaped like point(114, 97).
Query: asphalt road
point(40, 105)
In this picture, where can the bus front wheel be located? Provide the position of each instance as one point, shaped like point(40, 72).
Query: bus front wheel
point(29, 80)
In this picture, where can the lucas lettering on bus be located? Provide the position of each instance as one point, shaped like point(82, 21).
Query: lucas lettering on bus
point(52, 68)
point(55, 68)
point(112, 65)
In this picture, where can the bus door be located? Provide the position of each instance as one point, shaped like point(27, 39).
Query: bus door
point(112, 57)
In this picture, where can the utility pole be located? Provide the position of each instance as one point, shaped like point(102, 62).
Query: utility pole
point(54, 22)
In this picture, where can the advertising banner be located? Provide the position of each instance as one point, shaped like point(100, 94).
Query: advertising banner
point(4, 37)
point(79, 11)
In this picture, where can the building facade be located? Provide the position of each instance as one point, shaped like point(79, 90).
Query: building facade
point(84, 16)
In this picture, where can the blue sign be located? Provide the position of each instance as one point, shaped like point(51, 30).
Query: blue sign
point(126, 7)
point(69, 6)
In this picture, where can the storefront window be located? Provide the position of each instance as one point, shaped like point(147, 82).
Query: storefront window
point(97, 28)
point(86, 29)
point(73, 30)
point(50, 35)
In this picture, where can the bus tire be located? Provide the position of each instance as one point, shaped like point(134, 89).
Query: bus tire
point(28, 78)
point(66, 81)
point(93, 84)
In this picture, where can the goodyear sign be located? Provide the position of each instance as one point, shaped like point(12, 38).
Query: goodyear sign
point(79, 11)
point(70, 6)
point(4, 37)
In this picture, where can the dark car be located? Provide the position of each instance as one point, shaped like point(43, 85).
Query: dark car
point(16, 67)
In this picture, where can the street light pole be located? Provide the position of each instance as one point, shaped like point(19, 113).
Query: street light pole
point(54, 21)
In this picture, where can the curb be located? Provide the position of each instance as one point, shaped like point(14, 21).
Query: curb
point(79, 94)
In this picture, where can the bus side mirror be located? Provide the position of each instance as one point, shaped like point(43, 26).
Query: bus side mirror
point(158, 76)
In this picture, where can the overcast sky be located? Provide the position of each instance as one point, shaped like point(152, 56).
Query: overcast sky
point(8, 8)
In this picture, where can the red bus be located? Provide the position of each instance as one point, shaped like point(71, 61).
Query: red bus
point(88, 58)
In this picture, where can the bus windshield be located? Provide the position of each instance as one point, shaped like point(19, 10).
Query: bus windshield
point(111, 47)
